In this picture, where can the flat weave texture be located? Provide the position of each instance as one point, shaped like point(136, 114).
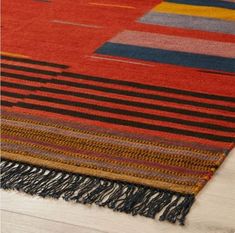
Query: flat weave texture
point(124, 104)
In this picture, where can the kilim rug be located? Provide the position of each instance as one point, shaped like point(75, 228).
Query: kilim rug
point(121, 103)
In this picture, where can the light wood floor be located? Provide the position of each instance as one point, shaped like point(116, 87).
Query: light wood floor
point(213, 212)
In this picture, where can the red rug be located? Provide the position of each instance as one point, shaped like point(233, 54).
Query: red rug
point(125, 104)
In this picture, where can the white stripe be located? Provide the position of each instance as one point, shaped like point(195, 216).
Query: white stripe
point(76, 24)
point(119, 60)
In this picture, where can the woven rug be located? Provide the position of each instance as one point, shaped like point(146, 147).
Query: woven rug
point(125, 104)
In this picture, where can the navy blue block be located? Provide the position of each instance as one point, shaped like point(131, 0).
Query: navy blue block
point(168, 57)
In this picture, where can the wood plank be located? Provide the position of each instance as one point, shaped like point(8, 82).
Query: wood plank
point(20, 223)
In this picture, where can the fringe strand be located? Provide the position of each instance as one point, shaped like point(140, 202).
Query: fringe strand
point(120, 196)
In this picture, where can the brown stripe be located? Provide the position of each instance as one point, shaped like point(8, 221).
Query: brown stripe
point(88, 145)
point(116, 141)
point(140, 138)
point(100, 173)
point(98, 164)
point(14, 143)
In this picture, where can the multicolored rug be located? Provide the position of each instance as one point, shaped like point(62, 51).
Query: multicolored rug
point(125, 104)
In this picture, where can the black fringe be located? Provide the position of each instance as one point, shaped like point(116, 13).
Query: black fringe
point(120, 196)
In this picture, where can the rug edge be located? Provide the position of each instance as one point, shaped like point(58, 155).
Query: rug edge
point(119, 196)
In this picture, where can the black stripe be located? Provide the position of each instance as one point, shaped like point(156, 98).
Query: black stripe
point(17, 86)
point(10, 94)
point(6, 103)
point(143, 95)
point(149, 87)
point(141, 105)
point(135, 94)
point(145, 86)
point(135, 124)
point(27, 69)
point(126, 102)
point(36, 62)
point(215, 72)
point(23, 77)
point(131, 113)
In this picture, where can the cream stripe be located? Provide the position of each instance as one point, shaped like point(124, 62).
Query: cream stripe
point(111, 5)
point(175, 43)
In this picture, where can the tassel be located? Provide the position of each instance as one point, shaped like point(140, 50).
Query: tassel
point(120, 196)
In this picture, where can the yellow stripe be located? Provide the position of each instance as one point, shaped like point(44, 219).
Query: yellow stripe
point(13, 54)
point(111, 5)
point(201, 11)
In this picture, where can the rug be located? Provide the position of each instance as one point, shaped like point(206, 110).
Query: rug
point(124, 104)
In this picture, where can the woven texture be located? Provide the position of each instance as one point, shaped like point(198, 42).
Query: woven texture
point(126, 104)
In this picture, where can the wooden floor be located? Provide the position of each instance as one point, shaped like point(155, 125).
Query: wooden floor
point(213, 212)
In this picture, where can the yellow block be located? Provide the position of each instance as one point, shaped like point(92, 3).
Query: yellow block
point(201, 11)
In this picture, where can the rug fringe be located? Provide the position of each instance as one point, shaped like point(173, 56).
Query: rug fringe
point(120, 196)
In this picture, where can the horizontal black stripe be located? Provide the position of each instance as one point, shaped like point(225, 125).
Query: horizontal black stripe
point(143, 95)
point(150, 87)
point(27, 69)
point(138, 85)
point(23, 77)
point(17, 86)
point(215, 72)
point(124, 92)
point(36, 62)
point(127, 102)
point(10, 94)
point(212, 137)
point(142, 86)
point(141, 105)
point(131, 113)
point(6, 103)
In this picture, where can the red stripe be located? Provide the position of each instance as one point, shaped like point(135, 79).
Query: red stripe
point(34, 66)
point(9, 99)
point(30, 74)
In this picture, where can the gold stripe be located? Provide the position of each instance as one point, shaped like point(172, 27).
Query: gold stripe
point(155, 177)
point(85, 156)
point(103, 147)
point(100, 173)
point(13, 55)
